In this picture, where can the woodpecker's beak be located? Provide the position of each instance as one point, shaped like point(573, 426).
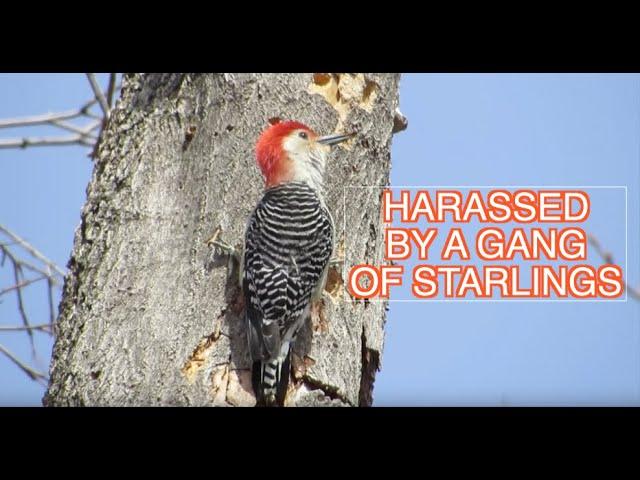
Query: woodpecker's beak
point(334, 139)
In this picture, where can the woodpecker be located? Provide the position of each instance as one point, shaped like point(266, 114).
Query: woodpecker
point(288, 245)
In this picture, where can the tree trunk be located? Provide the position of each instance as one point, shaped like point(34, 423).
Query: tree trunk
point(149, 315)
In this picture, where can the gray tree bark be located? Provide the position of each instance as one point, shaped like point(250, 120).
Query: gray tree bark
point(149, 315)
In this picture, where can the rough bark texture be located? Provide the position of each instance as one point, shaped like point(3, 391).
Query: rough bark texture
point(149, 315)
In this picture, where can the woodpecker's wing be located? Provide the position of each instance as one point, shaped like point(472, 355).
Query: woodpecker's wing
point(265, 293)
point(287, 247)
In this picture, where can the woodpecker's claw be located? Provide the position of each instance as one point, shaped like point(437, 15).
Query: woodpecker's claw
point(221, 248)
point(214, 237)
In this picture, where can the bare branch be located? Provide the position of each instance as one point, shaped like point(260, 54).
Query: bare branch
point(48, 117)
point(6, 253)
point(99, 95)
point(43, 142)
point(33, 374)
point(23, 284)
point(608, 258)
point(111, 89)
point(39, 119)
point(93, 126)
point(84, 132)
point(17, 273)
point(94, 116)
point(52, 310)
point(32, 250)
point(45, 269)
point(86, 106)
point(85, 135)
point(44, 327)
point(605, 254)
point(19, 285)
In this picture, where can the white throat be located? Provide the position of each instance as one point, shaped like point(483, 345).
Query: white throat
point(309, 166)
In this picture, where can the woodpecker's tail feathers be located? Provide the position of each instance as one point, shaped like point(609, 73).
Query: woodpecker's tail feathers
point(270, 380)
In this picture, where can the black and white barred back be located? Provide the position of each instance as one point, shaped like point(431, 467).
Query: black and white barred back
point(288, 244)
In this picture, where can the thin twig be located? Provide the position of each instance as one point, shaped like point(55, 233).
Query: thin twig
point(99, 95)
point(23, 284)
point(85, 136)
point(94, 116)
point(45, 118)
point(84, 132)
point(6, 253)
point(33, 374)
point(608, 258)
point(44, 142)
point(93, 126)
point(8, 244)
point(45, 327)
point(17, 274)
point(52, 311)
point(39, 119)
point(84, 108)
point(32, 250)
point(111, 89)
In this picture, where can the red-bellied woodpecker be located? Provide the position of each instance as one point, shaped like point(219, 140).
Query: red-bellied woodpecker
point(288, 245)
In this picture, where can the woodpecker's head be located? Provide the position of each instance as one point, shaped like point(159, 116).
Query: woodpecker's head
point(291, 151)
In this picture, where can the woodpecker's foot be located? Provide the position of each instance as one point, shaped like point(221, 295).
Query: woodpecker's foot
point(222, 248)
point(223, 254)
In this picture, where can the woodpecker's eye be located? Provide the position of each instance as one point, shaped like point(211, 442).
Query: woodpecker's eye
point(303, 135)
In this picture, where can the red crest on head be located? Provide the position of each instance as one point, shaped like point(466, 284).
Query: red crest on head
point(269, 145)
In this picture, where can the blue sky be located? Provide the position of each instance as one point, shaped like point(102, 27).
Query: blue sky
point(475, 129)
point(520, 130)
